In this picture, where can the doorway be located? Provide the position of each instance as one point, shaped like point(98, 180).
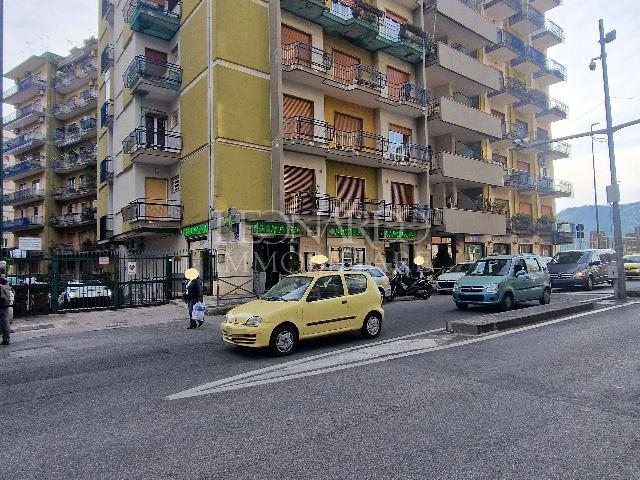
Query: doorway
point(155, 130)
point(155, 191)
point(276, 256)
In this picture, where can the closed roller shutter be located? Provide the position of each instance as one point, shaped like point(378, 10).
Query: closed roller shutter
point(298, 117)
point(296, 47)
point(297, 183)
point(350, 193)
point(396, 79)
point(344, 69)
point(348, 130)
point(526, 208)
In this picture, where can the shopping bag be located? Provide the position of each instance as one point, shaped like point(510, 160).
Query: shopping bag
point(198, 312)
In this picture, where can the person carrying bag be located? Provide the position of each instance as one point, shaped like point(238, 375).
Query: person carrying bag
point(194, 298)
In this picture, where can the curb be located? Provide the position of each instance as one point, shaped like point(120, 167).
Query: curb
point(517, 318)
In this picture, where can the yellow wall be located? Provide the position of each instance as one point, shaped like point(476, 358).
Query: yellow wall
point(334, 43)
point(193, 117)
point(242, 33)
point(103, 201)
point(332, 105)
point(369, 174)
point(242, 107)
point(193, 46)
point(194, 172)
point(242, 178)
point(188, 6)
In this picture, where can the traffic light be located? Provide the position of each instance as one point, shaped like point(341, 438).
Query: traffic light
point(580, 231)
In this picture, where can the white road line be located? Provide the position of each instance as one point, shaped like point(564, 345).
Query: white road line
point(354, 357)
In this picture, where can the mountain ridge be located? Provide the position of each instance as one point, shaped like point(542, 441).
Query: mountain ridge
point(585, 214)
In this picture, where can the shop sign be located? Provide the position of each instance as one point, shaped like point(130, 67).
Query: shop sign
point(197, 230)
point(473, 239)
point(397, 234)
point(345, 232)
point(263, 228)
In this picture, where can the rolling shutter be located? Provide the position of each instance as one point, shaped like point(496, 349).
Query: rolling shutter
point(297, 183)
point(401, 193)
point(526, 208)
point(344, 69)
point(296, 47)
point(350, 193)
point(348, 130)
point(524, 166)
point(298, 117)
point(395, 79)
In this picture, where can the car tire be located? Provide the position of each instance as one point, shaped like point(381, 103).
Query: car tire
point(372, 325)
point(507, 302)
point(462, 306)
point(589, 286)
point(284, 340)
point(546, 297)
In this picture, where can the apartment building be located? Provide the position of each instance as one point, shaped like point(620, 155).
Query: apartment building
point(364, 131)
point(51, 173)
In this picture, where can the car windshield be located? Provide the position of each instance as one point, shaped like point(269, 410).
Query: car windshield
point(289, 289)
point(490, 267)
point(565, 258)
point(460, 268)
point(632, 259)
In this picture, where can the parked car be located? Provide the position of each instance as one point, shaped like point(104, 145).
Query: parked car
point(78, 294)
point(504, 280)
point(581, 268)
point(304, 306)
point(382, 280)
point(632, 267)
point(447, 280)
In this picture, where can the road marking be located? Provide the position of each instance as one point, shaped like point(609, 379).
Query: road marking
point(382, 351)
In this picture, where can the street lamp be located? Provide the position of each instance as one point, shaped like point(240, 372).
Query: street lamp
point(595, 187)
point(613, 190)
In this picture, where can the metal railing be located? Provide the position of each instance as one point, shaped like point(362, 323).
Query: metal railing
point(69, 77)
point(22, 223)
point(521, 224)
point(562, 148)
point(170, 8)
point(74, 161)
point(32, 80)
point(520, 180)
point(61, 193)
point(528, 13)
point(511, 85)
point(302, 54)
point(106, 227)
point(152, 210)
point(551, 186)
point(73, 219)
point(106, 170)
point(20, 113)
point(553, 104)
point(23, 140)
point(552, 28)
point(508, 40)
point(168, 75)
point(76, 134)
point(152, 139)
point(106, 57)
point(106, 113)
point(23, 195)
point(78, 103)
point(531, 55)
point(23, 167)
point(552, 67)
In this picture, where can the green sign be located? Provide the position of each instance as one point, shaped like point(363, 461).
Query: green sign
point(391, 234)
point(345, 232)
point(197, 230)
point(275, 229)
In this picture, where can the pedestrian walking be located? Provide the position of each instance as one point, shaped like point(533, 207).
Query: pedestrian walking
point(6, 309)
point(193, 294)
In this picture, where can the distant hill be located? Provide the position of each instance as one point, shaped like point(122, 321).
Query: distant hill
point(586, 215)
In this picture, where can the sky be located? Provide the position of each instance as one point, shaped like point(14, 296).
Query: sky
point(58, 25)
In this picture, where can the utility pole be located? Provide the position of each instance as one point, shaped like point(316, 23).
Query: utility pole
point(613, 191)
point(595, 187)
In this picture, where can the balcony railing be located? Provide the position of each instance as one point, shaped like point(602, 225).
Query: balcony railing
point(27, 83)
point(106, 170)
point(533, 97)
point(24, 223)
point(76, 134)
point(320, 133)
point(550, 186)
point(531, 55)
point(67, 193)
point(20, 113)
point(73, 220)
point(551, 67)
point(23, 196)
point(552, 28)
point(106, 227)
point(152, 210)
point(556, 149)
point(157, 19)
point(73, 162)
point(521, 224)
point(106, 114)
point(66, 80)
point(528, 13)
point(107, 9)
point(555, 107)
point(106, 58)
point(24, 167)
point(143, 138)
point(520, 180)
point(23, 143)
point(79, 105)
point(513, 86)
point(166, 75)
point(508, 40)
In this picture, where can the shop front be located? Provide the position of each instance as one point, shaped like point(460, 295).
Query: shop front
point(276, 248)
point(474, 248)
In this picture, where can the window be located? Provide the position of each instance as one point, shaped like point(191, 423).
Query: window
point(36, 211)
point(69, 209)
point(532, 265)
point(35, 184)
point(326, 288)
point(356, 283)
point(22, 187)
point(71, 183)
point(376, 273)
point(175, 184)
point(490, 268)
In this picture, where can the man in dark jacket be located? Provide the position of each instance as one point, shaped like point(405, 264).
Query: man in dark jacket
point(193, 295)
point(6, 310)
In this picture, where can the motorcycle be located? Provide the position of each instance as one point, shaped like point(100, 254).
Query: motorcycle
point(406, 286)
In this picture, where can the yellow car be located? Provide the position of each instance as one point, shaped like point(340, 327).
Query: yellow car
point(306, 306)
point(632, 266)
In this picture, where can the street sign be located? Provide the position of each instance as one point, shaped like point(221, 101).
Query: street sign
point(132, 268)
point(103, 261)
point(30, 243)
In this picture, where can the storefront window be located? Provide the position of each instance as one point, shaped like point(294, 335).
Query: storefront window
point(473, 252)
point(526, 248)
point(501, 249)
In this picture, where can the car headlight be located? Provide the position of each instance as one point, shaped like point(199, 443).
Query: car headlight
point(456, 287)
point(254, 321)
point(492, 288)
point(580, 274)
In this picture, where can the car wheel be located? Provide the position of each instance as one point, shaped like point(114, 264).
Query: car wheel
point(284, 340)
point(589, 285)
point(507, 302)
point(462, 306)
point(372, 326)
point(546, 297)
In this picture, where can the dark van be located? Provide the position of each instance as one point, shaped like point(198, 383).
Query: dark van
point(580, 268)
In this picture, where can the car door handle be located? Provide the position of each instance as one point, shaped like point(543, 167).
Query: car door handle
point(344, 302)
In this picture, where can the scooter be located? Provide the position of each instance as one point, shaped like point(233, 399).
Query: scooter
point(408, 286)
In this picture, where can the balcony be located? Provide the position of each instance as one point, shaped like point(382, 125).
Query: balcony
point(359, 84)
point(160, 19)
point(459, 22)
point(450, 65)
point(527, 21)
point(511, 90)
point(74, 163)
point(472, 222)
point(69, 81)
point(107, 10)
point(23, 143)
point(520, 180)
point(529, 62)
point(106, 170)
point(549, 187)
point(323, 205)
point(550, 73)
point(23, 224)
point(507, 48)
point(75, 134)
point(106, 114)
point(153, 146)
point(466, 123)
point(465, 171)
point(23, 117)
point(24, 196)
point(152, 78)
point(555, 111)
point(532, 103)
point(526, 141)
point(106, 58)
point(500, 10)
point(73, 220)
point(150, 215)
point(564, 233)
point(402, 41)
point(316, 137)
point(63, 194)
point(555, 151)
point(548, 36)
point(85, 102)
point(545, 5)
point(23, 169)
point(105, 228)
point(511, 133)
point(521, 224)
point(24, 90)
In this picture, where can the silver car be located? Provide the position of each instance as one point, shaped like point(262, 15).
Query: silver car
point(447, 280)
point(381, 279)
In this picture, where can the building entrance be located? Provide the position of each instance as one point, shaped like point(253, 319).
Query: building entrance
point(276, 256)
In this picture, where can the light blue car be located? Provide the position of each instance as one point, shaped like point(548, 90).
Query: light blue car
point(504, 281)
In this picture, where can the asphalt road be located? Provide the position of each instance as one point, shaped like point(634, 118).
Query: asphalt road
point(555, 401)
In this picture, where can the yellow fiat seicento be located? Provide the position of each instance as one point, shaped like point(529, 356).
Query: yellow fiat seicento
point(304, 306)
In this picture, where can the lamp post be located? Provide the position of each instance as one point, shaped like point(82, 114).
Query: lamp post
point(595, 187)
point(613, 190)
